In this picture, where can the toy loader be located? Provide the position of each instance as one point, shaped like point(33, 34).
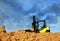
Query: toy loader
point(35, 26)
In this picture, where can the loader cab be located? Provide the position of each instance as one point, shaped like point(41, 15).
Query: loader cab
point(44, 27)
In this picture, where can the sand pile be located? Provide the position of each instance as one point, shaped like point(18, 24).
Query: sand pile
point(28, 36)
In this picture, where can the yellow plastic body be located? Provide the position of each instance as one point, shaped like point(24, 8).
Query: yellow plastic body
point(44, 29)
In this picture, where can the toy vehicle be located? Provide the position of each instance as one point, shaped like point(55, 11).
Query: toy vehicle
point(35, 26)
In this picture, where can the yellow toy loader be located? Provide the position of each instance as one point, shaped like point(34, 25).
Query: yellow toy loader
point(35, 26)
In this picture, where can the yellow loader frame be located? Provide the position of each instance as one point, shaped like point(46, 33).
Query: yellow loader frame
point(46, 29)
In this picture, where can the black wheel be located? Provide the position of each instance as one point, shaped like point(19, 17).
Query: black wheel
point(48, 31)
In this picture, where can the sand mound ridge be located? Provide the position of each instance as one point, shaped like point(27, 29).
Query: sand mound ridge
point(21, 35)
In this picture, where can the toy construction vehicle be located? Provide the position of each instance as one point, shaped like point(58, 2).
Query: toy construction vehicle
point(35, 26)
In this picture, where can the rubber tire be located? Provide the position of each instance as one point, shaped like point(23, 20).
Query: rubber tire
point(48, 31)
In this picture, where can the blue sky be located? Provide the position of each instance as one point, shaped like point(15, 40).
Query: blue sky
point(17, 14)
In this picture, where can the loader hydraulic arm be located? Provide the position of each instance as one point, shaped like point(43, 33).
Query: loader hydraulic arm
point(34, 24)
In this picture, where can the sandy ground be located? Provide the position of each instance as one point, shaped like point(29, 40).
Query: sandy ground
point(27, 36)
